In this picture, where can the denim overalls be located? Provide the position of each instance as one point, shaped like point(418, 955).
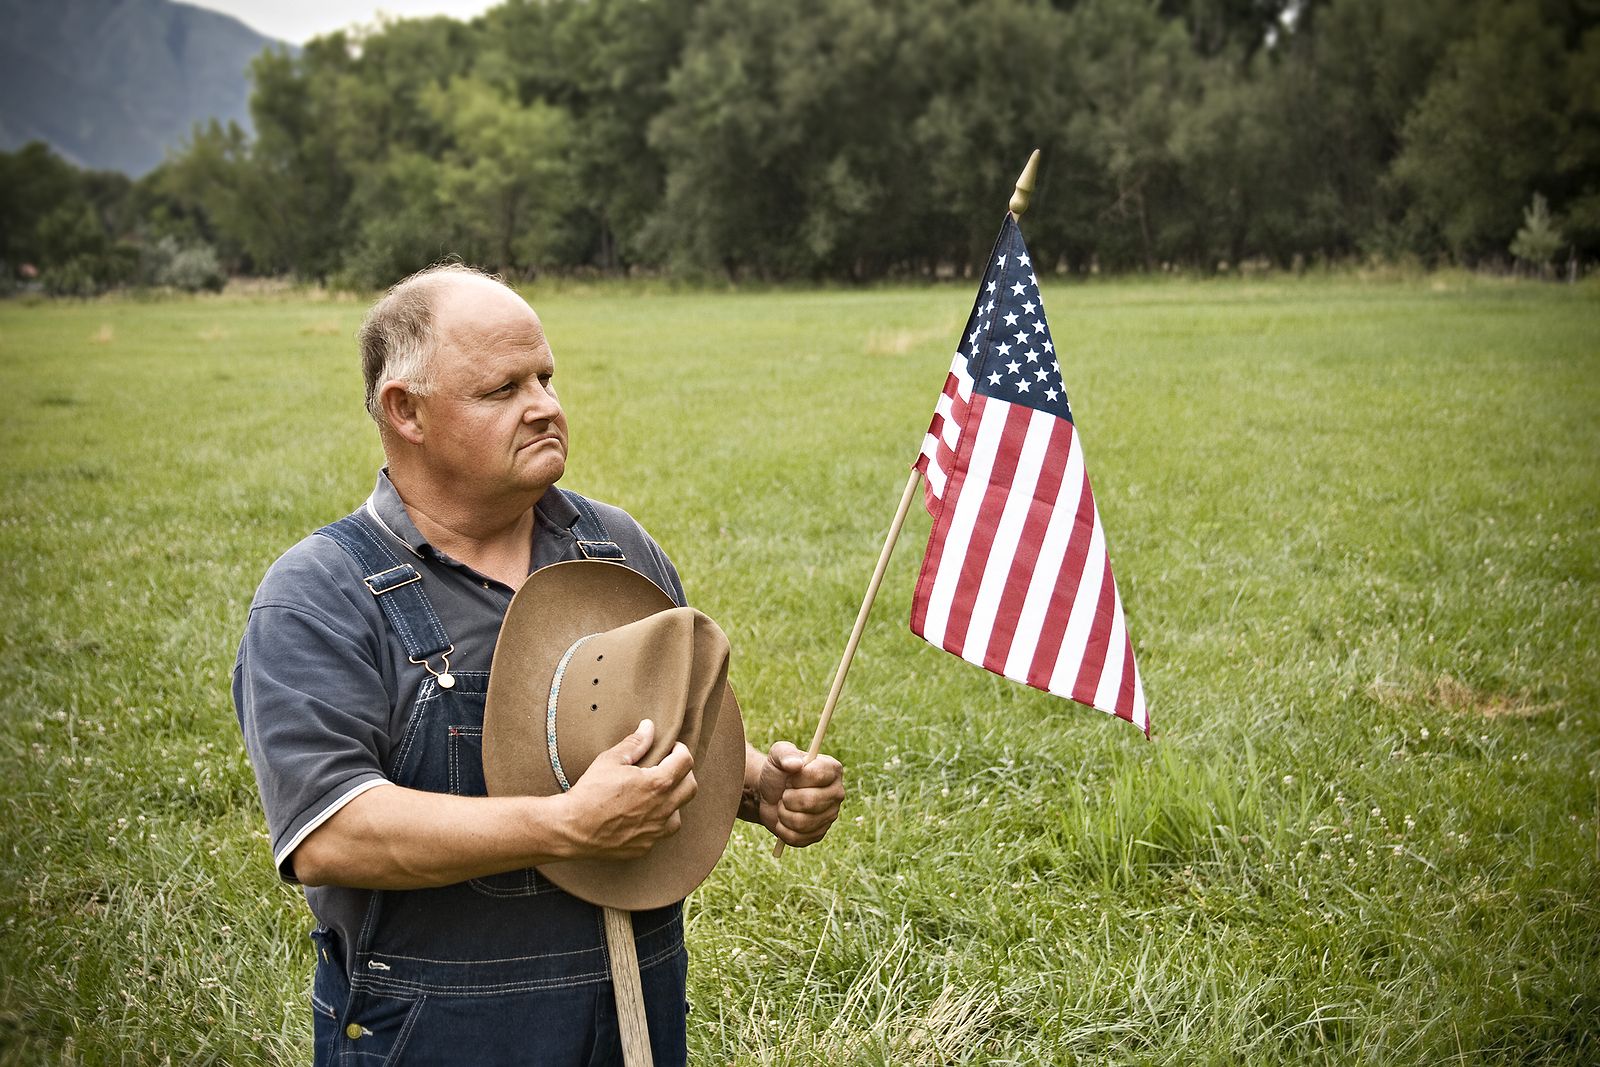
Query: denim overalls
point(501, 970)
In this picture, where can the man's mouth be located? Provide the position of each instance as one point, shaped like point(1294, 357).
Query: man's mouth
point(541, 439)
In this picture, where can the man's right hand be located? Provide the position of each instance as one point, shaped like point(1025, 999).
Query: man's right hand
point(618, 810)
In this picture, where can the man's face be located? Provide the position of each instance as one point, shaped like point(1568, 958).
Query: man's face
point(492, 425)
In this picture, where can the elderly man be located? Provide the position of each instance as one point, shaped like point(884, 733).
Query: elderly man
point(360, 686)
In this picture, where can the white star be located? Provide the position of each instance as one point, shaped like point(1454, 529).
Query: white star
point(1048, 347)
point(1022, 386)
point(1042, 375)
point(1021, 337)
point(1004, 350)
point(1013, 366)
point(991, 287)
point(1038, 327)
point(994, 379)
point(1011, 318)
point(1033, 357)
point(1018, 288)
point(974, 338)
point(1033, 280)
point(1050, 394)
point(1024, 260)
point(1002, 262)
point(990, 307)
point(1027, 309)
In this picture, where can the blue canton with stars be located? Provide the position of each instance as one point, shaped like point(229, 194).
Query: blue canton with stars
point(1009, 351)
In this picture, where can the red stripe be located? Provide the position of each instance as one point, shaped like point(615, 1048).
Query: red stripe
point(941, 457)
point(1045, 492)
point(1054, 630)
point(1094, 654)
point(1125, 693)
point(941, 527)
point(1012, 436)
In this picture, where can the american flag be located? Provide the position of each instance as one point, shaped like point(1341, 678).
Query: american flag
point(1016, 578)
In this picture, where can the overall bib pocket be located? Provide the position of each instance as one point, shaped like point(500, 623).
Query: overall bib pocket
point(466, 779)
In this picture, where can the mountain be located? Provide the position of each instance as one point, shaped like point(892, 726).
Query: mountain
point(114, 84)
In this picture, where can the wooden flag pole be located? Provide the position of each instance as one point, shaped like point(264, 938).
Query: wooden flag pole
point(1019, 203)
point(906, 498)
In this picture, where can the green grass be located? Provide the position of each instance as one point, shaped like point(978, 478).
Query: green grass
point(1357, 528)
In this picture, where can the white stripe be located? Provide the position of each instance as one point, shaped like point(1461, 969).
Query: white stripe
point(962, 522)
point(950, 429)
point(1078, 623)
point(963, 379)
point(1052, 554)
point(1105, 695)
point(936, 480)
point(1007, 535)
point(323, 816)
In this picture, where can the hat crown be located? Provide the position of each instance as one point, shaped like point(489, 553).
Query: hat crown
point(592, 602)
point(668, 667)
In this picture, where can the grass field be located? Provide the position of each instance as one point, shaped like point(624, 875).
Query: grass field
point(1357, 528)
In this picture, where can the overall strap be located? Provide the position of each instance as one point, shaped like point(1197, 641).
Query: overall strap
point(398, 587)
point(594, 541)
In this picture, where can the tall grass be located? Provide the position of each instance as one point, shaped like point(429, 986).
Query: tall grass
point(1357, 528)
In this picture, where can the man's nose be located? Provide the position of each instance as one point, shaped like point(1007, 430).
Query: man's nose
point(541, 405)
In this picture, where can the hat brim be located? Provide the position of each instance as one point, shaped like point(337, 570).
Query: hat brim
point(556, 606)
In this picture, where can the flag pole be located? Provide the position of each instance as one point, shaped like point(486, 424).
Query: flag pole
point(1020, 197)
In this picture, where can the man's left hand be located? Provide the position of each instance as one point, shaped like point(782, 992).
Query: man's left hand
point(794, 799)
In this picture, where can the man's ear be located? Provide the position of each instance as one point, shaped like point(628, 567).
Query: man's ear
point(401, 410)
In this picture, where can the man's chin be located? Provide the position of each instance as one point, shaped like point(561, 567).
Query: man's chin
point(540, 476)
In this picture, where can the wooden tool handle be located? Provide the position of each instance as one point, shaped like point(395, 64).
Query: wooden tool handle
point(630, 994)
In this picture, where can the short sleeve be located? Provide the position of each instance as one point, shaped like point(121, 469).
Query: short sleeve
point(311, 695)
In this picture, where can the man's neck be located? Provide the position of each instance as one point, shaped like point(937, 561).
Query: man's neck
point(494, 538)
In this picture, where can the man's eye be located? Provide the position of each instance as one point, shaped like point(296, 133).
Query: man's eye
point(507, 388)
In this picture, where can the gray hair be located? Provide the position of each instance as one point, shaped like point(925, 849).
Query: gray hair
point(396, 338)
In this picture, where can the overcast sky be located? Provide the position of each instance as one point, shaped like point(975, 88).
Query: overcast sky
point(300, 20)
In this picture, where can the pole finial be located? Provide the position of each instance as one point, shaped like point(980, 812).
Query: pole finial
point(1024, 191)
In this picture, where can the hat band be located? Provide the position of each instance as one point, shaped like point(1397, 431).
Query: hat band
point(550, 712)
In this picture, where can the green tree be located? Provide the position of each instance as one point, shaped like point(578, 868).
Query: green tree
point(606, 63)
point(1138, 75)
point(1539, 238)
point(34, 182)
point(505, 179)
point(1492, 125)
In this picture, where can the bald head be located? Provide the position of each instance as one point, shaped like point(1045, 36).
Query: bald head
point(401, 331)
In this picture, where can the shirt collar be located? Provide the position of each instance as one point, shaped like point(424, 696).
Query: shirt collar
point(554, 513)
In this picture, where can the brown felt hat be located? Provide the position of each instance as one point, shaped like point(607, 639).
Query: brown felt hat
point(588, 649)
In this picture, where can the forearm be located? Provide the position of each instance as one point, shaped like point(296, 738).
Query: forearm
point(750, 798)
point(397, 838)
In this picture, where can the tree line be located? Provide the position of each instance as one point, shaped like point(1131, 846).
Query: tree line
point(844, 139)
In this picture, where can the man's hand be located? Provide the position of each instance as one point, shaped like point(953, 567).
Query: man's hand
point(619, 810)
point(794, 799)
